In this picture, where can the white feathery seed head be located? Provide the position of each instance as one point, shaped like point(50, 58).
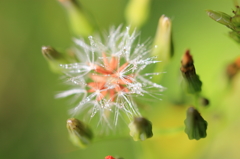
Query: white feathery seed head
point(109, 75)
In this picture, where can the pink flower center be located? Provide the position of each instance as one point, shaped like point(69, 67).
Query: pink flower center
point(108, 81)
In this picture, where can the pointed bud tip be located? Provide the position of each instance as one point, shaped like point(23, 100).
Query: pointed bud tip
point(165, 21)
point(50, 53)
point(45, 49)
point(209, 12)
point(70, 121)
point(212, 13)
point(187, 59)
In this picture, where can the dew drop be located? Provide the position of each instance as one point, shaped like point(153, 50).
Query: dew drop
point(87, 100)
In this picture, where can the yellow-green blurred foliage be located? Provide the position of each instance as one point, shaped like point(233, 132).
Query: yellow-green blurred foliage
point(32, 122)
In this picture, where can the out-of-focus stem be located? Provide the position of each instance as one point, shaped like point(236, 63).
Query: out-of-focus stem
point(78, 21)
point(137, 12)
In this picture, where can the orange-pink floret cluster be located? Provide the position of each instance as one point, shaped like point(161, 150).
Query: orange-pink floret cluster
point(107, 80)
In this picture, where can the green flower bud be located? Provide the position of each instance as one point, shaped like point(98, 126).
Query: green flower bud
point(140, 129)
point(80, 134)
point(54, 58)
point(196, 126)
point(137, 12)
point(220, 17)
point(204, 101)
point(78, 21)
point(231, 22)
point(163, 45)
point(194, 85)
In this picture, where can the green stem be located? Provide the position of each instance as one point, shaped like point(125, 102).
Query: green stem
point(168, 131)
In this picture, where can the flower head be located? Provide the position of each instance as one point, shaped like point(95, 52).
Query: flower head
point(108, 76)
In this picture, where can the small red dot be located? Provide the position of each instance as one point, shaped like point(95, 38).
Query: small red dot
point(109, 157)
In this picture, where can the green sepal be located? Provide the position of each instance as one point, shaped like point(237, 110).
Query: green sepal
point(140, 129)
point(195, 125)
point(193, 82)
point(79, 133)
point(54, 58)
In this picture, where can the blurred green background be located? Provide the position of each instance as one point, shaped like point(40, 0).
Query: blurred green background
point(33, 123)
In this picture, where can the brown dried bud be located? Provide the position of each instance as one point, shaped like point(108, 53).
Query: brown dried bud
point(233, 68)
point(189, 74)
point(187, 67)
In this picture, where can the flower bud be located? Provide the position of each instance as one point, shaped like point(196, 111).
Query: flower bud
point(163, 45)
point(140, 129)
point(54, 58)
point(204, 101)
point(78, 21)
point(232, 22)
point(196, 126)
point(79, 133)
point(233, 68)
point(188, 72)
point(137, 12)
point(109, 157)
point(220, 17)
